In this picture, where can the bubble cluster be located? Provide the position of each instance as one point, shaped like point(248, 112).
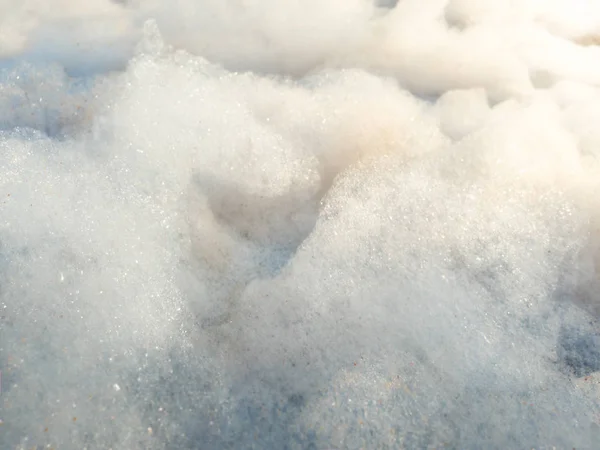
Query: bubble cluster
point(318, 224)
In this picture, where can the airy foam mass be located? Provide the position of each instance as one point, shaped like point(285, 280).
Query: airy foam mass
point(317, 224)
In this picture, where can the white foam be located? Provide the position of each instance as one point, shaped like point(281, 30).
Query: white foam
point(299, 224)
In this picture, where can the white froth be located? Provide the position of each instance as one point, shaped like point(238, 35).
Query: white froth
point(317, 224)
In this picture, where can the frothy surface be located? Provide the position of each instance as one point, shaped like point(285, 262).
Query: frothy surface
point(317, 224)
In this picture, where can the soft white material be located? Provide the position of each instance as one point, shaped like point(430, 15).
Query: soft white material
point(299, 224)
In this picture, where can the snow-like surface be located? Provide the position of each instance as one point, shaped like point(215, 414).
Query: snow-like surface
point(303, 224)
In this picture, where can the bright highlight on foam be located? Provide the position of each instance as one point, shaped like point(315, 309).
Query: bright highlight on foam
point(318, 224)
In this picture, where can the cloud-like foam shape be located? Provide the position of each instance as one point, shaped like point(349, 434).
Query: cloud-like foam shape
point(333, 224)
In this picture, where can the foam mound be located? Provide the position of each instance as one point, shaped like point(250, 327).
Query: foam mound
point(312, 225)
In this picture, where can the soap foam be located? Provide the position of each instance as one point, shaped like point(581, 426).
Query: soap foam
point(299, 225)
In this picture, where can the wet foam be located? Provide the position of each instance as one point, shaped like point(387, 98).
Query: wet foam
point(300, 225)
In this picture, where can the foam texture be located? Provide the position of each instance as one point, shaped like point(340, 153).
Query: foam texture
point(306, 224)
